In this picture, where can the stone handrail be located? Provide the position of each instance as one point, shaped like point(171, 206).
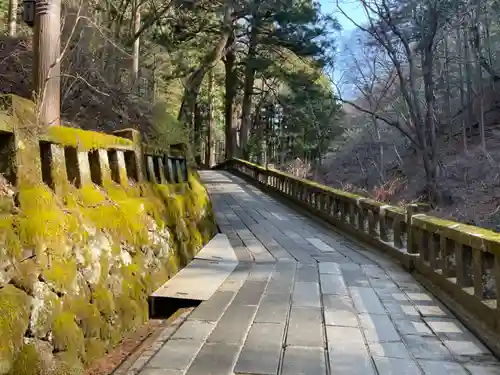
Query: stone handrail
point(61, 153)
point(460, 263)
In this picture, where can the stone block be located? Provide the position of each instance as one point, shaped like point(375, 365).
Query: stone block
point(329, 267)
point(273, 308)
point(104, 165)
point(305, 327)
point(84, 167)
point(194, 330)
point(339, 311)
point(431, 348)
point(443, 368)
point(212, 309)
point(306, 294)
point(389, 349)
point(150, 169)
point(250, 293)
point(347, 352)
point(163, 178)
point(234, 324)
point(366, 301)
point(333, 284)
point(262, 349)
point(412, 327)
point(396, 366)
point(175, 355)
point(301, 360)
point(378, 328)
point(214, 359)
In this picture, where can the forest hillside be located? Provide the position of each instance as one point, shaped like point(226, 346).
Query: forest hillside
point(419, 87)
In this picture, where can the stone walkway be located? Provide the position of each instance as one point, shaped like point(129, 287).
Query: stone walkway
point(305, 300)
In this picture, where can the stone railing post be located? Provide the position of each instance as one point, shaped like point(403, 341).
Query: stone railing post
point(413, 209)
point(136, 139)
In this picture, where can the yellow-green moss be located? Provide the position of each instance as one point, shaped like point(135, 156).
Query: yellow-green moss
point(7, 123)
point(42, 223)
point(68, 363)
point(26, 274)
point(14, 318)
point(67, 335)
point(61, 273)
point(27, 361)
point(84, 139)
point(88, 317)
point(9, 238)
point(93, 319)
point(103, 299)
point(46, 314)
point(94, 349)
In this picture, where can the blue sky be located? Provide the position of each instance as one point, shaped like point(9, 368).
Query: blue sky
point(356, 13)
point(351, 7)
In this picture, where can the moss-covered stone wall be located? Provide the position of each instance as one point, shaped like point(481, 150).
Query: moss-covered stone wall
point(77, 263)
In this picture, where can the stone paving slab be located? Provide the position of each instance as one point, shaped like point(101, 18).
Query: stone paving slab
point(273, 308)
point(215, 359)
point(305, 300)
point(261, 352)
point(305, 327)
point(304, 360)
point(209, 273)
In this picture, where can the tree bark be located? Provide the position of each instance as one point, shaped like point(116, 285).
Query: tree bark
point(461, 86)
point(246, 118)
point(47, 66)
point(13, 5)
point(193, 84)
point(198, 138)
point(210, 143)
point(230, 87)
point(136, 46)
point(447, 89)
point(468, 78)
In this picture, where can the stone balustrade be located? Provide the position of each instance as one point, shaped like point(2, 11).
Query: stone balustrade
point(63, 154)
point(457, 262)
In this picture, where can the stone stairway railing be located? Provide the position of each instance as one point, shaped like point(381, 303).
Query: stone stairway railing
point(459, 263)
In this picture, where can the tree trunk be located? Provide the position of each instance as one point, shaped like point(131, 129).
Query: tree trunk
point(468, 78)
point(230, 86)
point(136, 46)
point(430, 149)
point(193, 84)
point(246, 118)
point(210, 143)
point(381, 150)
point(47, 66)
point(462, 86)
point(447, 89)
point(198, 138)
point(13, 5)
point(480, 75)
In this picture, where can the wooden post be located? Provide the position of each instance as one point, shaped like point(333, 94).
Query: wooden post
point(47, 66)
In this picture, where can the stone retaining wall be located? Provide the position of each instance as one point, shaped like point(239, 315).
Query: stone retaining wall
point(90, 225)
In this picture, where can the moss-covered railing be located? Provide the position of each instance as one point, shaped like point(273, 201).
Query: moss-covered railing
point(90, 225)
point(461, 262)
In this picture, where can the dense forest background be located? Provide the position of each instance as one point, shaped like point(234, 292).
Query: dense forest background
point(404, 110)
point(197, 71)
